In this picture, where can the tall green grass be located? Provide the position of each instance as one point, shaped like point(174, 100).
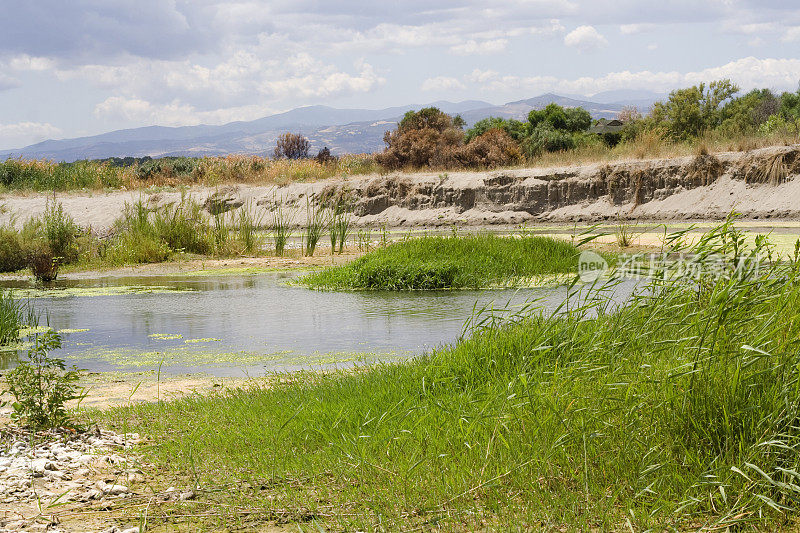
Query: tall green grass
point(49, 176)
point(14, 315)
point(457, 261)
point(677, 411)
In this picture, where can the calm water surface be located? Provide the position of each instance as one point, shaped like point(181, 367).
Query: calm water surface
point(250, 324)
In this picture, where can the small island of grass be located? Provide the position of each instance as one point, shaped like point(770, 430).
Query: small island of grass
point(451, 262)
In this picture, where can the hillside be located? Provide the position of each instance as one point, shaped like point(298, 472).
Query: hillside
point(342, 130)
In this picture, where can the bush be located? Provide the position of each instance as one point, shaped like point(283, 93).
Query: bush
point(291, 146)
point(61, 232)
point(546, 139)
point(42, 385)
point(13, 255)
point(42, 262)
point(494, 148)
point(135, 248)
point(424, 138)
point(324, 157)
point(514, 128)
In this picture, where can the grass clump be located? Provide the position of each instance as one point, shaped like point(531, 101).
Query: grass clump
point(457, 261)
point(12, 317)
point(676, 411)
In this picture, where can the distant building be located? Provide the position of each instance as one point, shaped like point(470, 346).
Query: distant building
point(604, 126)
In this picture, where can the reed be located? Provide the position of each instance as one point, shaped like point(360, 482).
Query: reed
point(316, 220)
point(281, 226)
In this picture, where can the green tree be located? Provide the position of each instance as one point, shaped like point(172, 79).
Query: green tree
point(514, 128)
point(746, 113)
point(690, 112)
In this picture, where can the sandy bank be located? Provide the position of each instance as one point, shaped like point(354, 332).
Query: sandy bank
point(759, 184)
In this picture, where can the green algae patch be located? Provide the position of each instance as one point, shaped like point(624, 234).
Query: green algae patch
point(73, 330)
point(198, 341)
point(243, 271)
point(165, 336)
point(185, 356)
point(121, 290)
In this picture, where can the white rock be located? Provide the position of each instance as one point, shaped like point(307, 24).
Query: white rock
point(40, 465)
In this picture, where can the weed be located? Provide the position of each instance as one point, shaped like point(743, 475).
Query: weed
point(281, 226)
point(247, 229)
point(12, 314)
point(42, 385)
point(316, 216)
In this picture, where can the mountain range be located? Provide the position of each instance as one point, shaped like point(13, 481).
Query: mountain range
point(341, 130)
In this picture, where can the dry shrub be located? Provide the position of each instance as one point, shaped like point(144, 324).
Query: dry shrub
point(704, 168)
point(772, 169)
point(494, 148)
point(43, 264)
point(291, 146)
point(419, 148)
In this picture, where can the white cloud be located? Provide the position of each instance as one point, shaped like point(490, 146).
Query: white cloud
point(442, 83)
point(481, 76)
point(174, 113)
point(585, 39)
point(26, 62)
point(791, 35)
point(25, 133)
point(473, 47)
point(748, 73)
point(631, 29)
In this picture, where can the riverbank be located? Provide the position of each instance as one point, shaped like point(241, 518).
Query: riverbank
point(759, 184)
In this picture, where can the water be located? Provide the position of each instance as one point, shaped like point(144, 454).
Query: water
point(250, 324)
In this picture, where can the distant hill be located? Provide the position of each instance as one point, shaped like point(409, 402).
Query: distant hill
point(342, 130)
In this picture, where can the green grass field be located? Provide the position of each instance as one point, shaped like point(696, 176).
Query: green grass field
point(680, 410)
point(452, 262)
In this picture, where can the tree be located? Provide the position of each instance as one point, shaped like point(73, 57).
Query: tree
point(748, 112)
point(291, 146)
point(514, 128)
point(424, 138)
point(690, 112)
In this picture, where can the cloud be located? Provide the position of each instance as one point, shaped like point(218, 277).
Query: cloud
point(473, 47)
point(748, 73)
point(791, 35)
point(26, 62)
point(442, 83)
point(7, 82)
point(585, 39)
point(632, 29)
point(25, 133)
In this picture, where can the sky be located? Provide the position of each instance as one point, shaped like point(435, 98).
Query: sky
point(72, 68)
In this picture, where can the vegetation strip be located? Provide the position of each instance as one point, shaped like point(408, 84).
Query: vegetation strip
point(452, 262)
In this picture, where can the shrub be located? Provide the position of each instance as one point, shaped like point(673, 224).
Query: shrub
point(491, 149)
point(43, 263)
point(135, 248)
point(424, 138)
point(42, 385)
point(61, 232)
point(324, 156)
point(13, 255)
point(291, 146)
point(514, 128)
point(546, 139)
point(690, 112)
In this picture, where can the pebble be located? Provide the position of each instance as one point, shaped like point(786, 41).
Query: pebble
point(63, 466)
